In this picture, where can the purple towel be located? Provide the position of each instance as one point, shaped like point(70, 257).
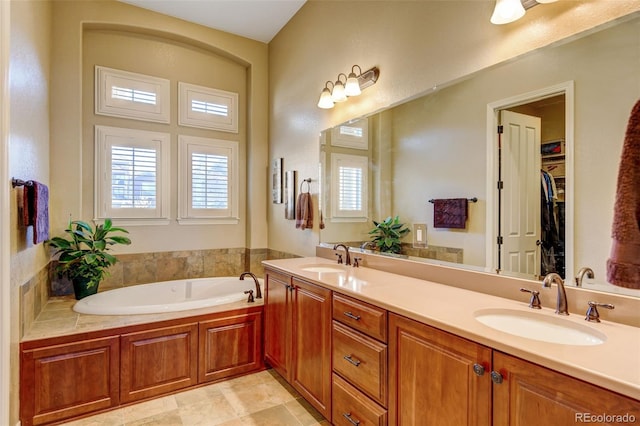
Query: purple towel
point(36, 210)
point(450, 213)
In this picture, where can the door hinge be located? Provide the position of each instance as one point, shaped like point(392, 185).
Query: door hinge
point(499, 240)
point(500, 129)
point(500, 184)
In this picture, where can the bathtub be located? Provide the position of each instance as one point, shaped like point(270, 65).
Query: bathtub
point(167, 296)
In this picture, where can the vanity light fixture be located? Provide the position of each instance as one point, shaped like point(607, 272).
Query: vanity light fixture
point(338, 94)
point(325, 101)
point(507, 11)
point(352, 86)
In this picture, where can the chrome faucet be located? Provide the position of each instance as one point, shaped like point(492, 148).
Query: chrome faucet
point(255, 279)
point(347, 255)
point(561, 303)
point(581, 274)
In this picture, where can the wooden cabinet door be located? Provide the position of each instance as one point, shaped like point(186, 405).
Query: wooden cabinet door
point(530, 394)
point(230, 346)
point(432, 379)
point(158, 361)
point(277, 317)
point(67, 380)
point(311, 354)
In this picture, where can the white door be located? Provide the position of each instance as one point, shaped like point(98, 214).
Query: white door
point(520, 206)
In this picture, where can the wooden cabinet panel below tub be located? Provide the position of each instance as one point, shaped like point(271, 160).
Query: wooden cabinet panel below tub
point(230, 346)
point(155, 362)
point(67, 380)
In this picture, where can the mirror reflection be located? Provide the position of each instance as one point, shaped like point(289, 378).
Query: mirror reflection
point(563, 110)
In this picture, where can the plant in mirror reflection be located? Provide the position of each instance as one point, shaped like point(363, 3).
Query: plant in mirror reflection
point(387, 235)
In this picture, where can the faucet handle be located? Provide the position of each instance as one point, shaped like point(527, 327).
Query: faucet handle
point(534, 302)
point(250, 293)
point(592, 312)
point(356, 261)
point(339, 255)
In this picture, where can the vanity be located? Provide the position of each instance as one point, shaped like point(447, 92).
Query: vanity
point(369, 347)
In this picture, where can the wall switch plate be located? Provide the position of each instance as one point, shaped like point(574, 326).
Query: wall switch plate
point(419, 235)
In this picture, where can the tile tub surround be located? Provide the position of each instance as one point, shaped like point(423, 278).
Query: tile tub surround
point(612, 365)
point(262, 398)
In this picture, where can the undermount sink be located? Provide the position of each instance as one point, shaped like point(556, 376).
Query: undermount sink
point(322, 268)
point(537, 326)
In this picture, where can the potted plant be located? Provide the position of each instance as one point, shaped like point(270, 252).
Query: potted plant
point(82, 255)
point(388, 233)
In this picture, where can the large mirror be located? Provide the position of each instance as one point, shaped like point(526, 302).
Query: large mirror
point(435, 162)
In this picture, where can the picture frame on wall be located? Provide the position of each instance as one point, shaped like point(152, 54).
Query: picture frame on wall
point(290, 194)
point(276, 180)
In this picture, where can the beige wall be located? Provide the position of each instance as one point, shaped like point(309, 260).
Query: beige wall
point(28, 150)
point(71, 154)
point(416, 45)
point(164, 58)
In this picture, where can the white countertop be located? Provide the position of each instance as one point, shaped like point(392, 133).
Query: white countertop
point(614, 364)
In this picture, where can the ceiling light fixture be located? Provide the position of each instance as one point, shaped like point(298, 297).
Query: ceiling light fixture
point(352, 86)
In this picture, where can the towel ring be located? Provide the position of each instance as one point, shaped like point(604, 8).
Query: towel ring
point(308, 181)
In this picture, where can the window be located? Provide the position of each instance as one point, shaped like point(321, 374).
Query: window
point(132, 175)
point(349, 192)
point(354, 134)
point(130, 95)
point(208, 181)
point(207, 108)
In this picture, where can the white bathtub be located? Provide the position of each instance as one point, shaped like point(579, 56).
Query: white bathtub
point(167, 296)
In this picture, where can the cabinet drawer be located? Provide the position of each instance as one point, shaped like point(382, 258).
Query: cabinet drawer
point(351, 406)
point(361, 360)
point(362, 316)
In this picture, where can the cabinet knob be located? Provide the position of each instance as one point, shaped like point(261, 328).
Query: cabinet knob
point(352, 316)
point(478, 369)
point(496, 377)
point(351, 419)
point(353, 361)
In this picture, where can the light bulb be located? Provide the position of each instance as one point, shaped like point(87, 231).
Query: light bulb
point(352, 88)
point(507, 11)
point(338, 95)
point(325, 101)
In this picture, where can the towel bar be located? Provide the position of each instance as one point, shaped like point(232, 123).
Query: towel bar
point(472, 200)
point(19, 182)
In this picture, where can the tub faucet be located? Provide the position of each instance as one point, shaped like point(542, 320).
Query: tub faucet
point(581, 274)
point(255, 279)
point(561, 302)
point(347, 255)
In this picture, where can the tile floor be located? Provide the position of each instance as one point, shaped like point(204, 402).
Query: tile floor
point(262, 398)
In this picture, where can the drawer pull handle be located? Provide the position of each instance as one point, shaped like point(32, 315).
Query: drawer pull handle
point(353, 361)
point(352, 421)
point(350, 315)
